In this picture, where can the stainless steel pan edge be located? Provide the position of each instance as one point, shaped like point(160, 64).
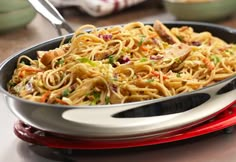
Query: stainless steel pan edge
point(70, 121)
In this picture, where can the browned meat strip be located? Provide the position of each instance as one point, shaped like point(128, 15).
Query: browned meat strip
point(165, 33)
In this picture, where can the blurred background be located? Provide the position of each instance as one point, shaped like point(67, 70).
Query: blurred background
point(21, 27)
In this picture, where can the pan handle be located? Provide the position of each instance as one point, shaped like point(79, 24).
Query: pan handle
point(47, 10)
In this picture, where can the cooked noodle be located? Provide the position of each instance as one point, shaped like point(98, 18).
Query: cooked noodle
point(124, 64)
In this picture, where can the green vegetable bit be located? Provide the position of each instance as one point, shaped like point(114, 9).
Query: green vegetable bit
point(215, 59)
point(150, 80)
point(230, 51)
point(181, 38)
point(23, 62)
point(96, 96)
point(107, 100)
point(178, 75)
point(86, 60)
point(66, 93)
point(60, 62)
point(11, 83)
point(111, 60)
point(143, 59)
point(141, 40)
point(177, 60)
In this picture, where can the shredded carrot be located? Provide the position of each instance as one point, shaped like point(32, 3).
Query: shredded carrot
point(165, 77)
point(21, 74)
point(27, 69)
point(45, 96)
point(61, 101)
point(143, 48)
point(153, 35)
point(158, 75)
point(155, 73)
point(208, 63)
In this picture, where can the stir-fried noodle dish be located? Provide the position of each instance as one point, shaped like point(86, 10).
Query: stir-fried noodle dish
point(120, 64)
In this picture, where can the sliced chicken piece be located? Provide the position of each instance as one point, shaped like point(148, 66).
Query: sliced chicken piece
point(179, 52)
point(165, 33)
point(115, 98)
point(46, 57)
point(86, 87)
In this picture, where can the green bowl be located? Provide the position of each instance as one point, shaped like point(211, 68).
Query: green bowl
point(11, 5)
point(16, 19)
point(204, 10)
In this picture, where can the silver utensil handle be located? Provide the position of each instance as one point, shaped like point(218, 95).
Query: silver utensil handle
point(47, 10)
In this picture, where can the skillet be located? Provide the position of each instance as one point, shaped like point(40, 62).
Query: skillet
point(123, 121)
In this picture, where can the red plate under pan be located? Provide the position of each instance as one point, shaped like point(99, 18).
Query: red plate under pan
point(29, 134)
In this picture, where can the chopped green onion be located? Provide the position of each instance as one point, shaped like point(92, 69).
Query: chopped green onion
point(87, 94)
point(215, 59)
point(66, 93)
point(230, 51)
point(86, 60)
point(177, 60)
point(60, 62)
point(141, 40)
point(178, 75)
point(107, 99)
point(23, 62)
point(143, 59)
point(181, 38)
point(150, 80)
point(111, 59)
point(11, 83)
point(96, 96)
